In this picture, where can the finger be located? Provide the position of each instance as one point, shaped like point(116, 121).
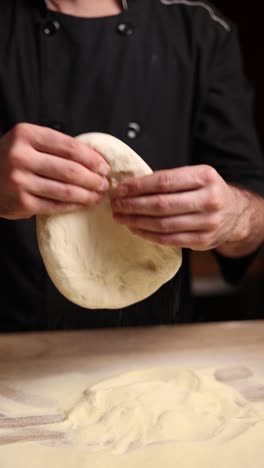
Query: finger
point(188, 240)
point(165, 181)
point(171, 224)
point(42, 206)
point(56, 143)
point(58, 191)
point(59, 169)
point(49, 207)
point(162, 205)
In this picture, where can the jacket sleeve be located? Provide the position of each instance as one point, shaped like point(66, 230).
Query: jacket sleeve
point(225, 136)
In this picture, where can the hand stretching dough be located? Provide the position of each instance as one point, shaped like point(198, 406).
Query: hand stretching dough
point(94, 261)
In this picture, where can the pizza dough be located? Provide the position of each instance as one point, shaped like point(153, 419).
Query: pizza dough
point(94, 261)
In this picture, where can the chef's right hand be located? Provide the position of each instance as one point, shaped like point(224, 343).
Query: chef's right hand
point(43, 171)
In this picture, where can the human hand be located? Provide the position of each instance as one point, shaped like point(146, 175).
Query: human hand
point(188, 207)
point(43, 171)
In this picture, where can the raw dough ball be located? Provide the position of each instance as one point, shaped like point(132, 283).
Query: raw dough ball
point(94, 261)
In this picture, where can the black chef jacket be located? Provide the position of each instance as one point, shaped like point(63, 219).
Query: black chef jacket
point(166, 78)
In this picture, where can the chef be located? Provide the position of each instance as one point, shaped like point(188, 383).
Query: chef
point(166, 78)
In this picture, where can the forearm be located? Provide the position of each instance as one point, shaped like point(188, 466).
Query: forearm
point(248, 234)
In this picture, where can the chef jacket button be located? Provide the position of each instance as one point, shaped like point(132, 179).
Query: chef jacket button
point(51, 27)
point(125, 29)
point(133, 130)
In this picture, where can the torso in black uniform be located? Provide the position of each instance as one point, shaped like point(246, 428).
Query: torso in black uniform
point(174, 71)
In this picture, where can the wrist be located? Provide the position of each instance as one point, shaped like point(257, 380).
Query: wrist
point(248, 231)
point(241, 231)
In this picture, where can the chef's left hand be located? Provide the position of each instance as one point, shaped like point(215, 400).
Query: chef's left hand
point(188, 207)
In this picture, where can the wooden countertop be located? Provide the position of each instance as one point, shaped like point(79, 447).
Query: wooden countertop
point(37, 353)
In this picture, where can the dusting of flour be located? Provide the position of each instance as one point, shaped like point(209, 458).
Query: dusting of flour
point(154, 418)
point(149, 407)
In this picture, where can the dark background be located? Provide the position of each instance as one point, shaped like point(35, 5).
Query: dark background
point(214, 300)
point(249, 21)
